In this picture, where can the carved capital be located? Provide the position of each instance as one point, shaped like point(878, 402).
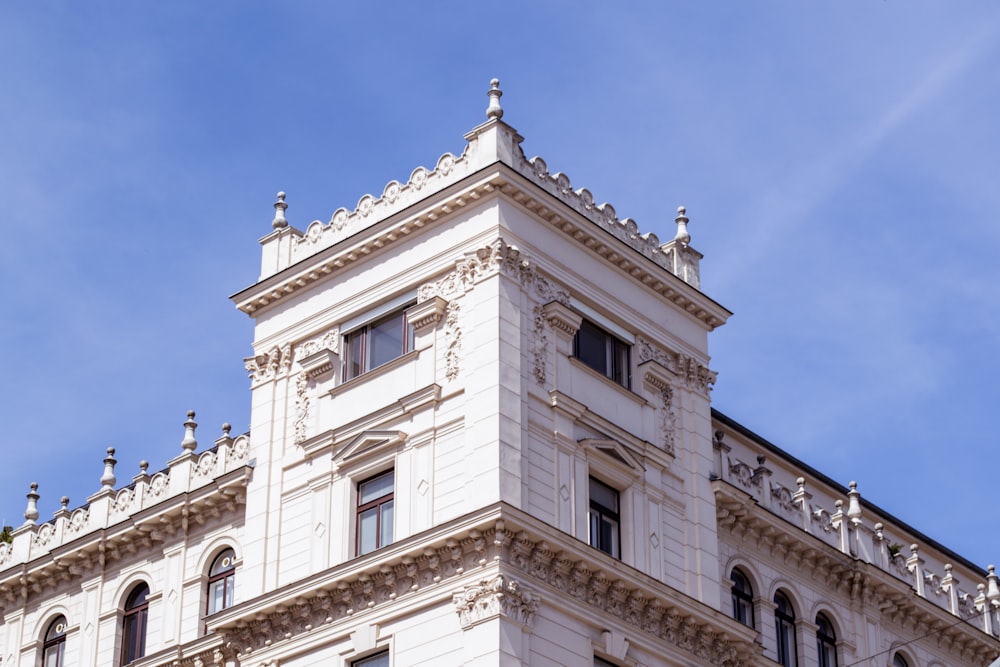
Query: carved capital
point(426, 313)
point(491, 598)
point(561, 318)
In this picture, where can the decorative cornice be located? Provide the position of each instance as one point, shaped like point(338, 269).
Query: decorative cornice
point(691, 372)
point(739, 515)
point(321, 264)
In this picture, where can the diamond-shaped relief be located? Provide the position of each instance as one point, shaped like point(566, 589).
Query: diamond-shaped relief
point(654, 541)
point(564, 492)
point(89, 630)
point(319, 529)
point(423, 487)
point(172, 595)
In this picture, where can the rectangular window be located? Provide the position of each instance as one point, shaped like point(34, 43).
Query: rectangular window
point(603, 352)
point(604, 518)
point(598, 662)
point(375, 512)
point(377, 343)
point(379, 660)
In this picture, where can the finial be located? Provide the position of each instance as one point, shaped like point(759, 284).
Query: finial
point(189, 444)
point(143, 466)
point(31, 511)
point(108, 478)
point(226, 428)
point(992, 587)
point(279, 212)
point(854, 507)
point(494, 110)
point(682, 226)
point(64, 503)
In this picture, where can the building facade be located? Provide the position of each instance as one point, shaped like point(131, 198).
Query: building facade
point(482, 434)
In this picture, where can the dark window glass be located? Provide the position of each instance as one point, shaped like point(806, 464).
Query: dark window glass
point(134, 624)
point(54, 646)
point(604, 518)
point(899, 661)
point(603, 352)
point(598, 662)
point(221, 582)
point(380, 660)
point(742, 598)
point(826, 642)
point(375, 512)
point(377, 343)
point(784, 620)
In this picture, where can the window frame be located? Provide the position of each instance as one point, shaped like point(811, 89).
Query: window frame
point(228, 578)
point(743, 598)
point(363, 338)
point(826, 642)
point(370, 660)
point(784, 630)
point(135, 614)
point(617, 353)
point(55, 642)
point(378, 503)
point(598, 513)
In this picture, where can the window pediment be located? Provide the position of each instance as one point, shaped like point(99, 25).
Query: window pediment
point(367, 444)
point(616, 453)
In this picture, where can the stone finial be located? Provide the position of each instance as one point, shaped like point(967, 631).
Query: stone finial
point(108, 478)
point(143, 466)
point(992, 587)
point(226, 428)
point(494, 110)
point(854, 504)
point(682, 226)
point(64, 503)
point(31, 511)
point(279, 212)
point(189, 444)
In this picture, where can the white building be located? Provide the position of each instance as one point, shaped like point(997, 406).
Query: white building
point(482, 435)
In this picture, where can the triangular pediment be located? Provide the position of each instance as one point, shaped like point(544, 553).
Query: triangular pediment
point(367, 443)
point(616, 452)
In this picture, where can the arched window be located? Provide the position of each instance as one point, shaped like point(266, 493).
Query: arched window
point(54, 645)
point(134, 624)
point(784, 623)
point(826, 642)
point(742, 598)
point(899, 661)
point(221, 581)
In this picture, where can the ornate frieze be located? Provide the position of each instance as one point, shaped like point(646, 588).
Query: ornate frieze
point(453, 341)
point(540, 345)
point(499, 596)
point(689, 371)
point(302, 406)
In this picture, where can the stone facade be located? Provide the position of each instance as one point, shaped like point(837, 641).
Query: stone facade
point(496, 351)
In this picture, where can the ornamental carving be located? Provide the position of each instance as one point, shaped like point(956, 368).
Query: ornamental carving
point(540, 347)
point(206, 464)
point(268, 366)
point(327, 341)
point(744, 474)
point(453, 341)
point(784, 498)
point(692, 374)
point(500, 596)
point(302, 405)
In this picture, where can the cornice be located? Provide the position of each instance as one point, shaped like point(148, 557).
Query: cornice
point(641, 257)
point(96, 550)
point(496, 551)
point(739, 514)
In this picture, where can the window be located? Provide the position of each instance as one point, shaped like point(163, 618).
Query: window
point(784, 622)
point(742, 598)
point(221, 582)
point(54, 645)
point(134, 625)
point(598, 662)
point(826, 642)
point(377, 343)
point(899, 661)
point(378, 660)
point(604, 518)
point(375, 507)
point(603, 352)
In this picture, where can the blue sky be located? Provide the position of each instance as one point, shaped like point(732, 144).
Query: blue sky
point(839, 161)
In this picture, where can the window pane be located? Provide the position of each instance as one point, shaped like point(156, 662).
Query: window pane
point(603, 495)
point(385, 340)
point(380, 660)
point(367, 530)
point(216, 593)
point(385, 525)
point(55, 655)
point(374, 489)
point(592, 347)
point(230, 589)
point(355, 353)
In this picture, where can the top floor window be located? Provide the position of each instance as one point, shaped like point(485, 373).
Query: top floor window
point(784, 621)
point(54, 646)
point(134, 625)
point(742, 598)
point(377, 343)
point(603, 352)
point(826, 642)
point(221, 582)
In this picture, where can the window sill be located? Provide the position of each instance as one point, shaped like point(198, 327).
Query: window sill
point(625, 391)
